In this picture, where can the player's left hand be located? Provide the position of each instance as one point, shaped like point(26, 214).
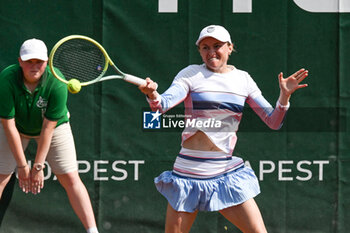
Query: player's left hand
point(292, 83)
point(37, 181)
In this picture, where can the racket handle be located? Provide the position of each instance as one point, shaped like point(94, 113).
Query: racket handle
point(134, 80)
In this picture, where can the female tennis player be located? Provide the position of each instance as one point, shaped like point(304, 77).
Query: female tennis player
point(34, 106)
point(205, 176)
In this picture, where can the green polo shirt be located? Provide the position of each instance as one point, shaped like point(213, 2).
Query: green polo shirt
point(48, 100)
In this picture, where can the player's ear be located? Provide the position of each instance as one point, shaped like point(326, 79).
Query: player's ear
point(20, 61)
point(231, 47)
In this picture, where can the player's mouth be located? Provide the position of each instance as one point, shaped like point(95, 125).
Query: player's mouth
point(213, 59)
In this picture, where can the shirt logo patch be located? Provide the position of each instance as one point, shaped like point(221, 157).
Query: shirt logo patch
point(41, 103)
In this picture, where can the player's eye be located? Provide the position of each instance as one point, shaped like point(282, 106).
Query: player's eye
point(218, 46)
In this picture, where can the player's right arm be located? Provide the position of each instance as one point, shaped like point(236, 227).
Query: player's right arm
point(150, 89)
point(14, 141)
point(174, 95)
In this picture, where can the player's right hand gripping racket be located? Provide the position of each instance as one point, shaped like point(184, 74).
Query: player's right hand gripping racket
point(82, 58)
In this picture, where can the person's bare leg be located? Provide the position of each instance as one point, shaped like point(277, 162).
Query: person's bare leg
point(246, 217)
point(178, 222)
point(4, 179)
point(78, 198)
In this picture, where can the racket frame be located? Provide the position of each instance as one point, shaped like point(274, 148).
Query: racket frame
point(121, 75)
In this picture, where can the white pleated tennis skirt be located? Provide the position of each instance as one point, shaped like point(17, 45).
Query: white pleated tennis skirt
point(213, 194)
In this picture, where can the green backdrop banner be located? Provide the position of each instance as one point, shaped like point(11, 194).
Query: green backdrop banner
point(303, 169)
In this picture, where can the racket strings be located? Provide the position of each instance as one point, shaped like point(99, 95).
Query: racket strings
point(79, 59)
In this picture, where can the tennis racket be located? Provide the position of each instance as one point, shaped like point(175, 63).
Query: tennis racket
point(84, 59)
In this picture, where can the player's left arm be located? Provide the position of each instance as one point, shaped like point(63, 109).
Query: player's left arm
point(55, 110)
point(44, 143)
point(274, 117)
